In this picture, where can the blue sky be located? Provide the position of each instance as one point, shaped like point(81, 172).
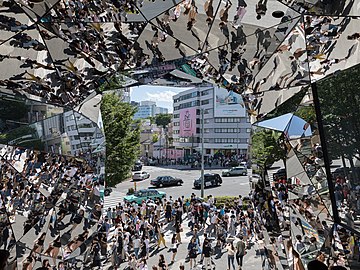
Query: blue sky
point(162, 95)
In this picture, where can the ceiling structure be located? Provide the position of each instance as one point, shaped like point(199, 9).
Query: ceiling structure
point(57, 56)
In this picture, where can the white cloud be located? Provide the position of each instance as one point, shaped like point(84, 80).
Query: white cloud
point(165, 96)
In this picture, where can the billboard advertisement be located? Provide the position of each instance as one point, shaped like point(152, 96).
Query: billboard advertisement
point(228, 103)
point(187, 122)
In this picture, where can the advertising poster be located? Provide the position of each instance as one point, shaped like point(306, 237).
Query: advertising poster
point(187, 122)
point(228, 103)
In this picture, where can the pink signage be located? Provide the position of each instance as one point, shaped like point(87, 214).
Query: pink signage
point(187, 122)
point(173, 153)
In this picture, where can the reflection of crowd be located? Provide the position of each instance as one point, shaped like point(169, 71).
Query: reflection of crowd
point(103, 48)
point(53, 199)
point(301, 212)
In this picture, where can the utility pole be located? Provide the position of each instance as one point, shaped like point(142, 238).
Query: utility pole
point(237, 139)
point(202, 153)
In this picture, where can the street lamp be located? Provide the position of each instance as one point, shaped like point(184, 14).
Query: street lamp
point(237, 139)
point(202, 153)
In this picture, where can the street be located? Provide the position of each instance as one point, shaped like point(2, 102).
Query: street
point(232, 186)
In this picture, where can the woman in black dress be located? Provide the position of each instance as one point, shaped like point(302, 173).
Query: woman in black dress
point(162, 263)
point(192, 251)
point(174, 243)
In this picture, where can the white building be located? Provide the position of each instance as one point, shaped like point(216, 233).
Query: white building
point(148, 109)
point(226, 126)
point(83, 133)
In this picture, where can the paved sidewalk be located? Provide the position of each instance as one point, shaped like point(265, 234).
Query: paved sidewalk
point(188, 167)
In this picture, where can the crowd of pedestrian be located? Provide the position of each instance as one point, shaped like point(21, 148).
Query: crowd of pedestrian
point(50, 209)
point(204, 228)
point(302, 215)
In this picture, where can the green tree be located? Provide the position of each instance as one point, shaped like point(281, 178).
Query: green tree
point(122, 138)
point(163, 119)
point(267, 147)
point(339, 101)
point(155, 138)
point(12, 109)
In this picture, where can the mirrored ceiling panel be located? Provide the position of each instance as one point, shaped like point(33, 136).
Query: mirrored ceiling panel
point(68, 133)
point(189, 21)
point(95, 11)
point(310, 225)
point(258, 105)
point(329, 8)
point(287, 67)
point(35, 8)
point(156, 46)
point(153, 8)
point(17, 111)
point(13, 20)
point(341, 125)
point(333, 44)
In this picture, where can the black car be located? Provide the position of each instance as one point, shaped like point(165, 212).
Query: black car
point(162, 181)
point(210, 180)
point(107, 191)
point(341, 172)
point(137, 166)
point(280, 174)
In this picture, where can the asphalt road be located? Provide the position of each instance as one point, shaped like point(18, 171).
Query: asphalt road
point(231, 186)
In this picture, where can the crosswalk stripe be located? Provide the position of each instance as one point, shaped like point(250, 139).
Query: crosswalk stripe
point(113, 200)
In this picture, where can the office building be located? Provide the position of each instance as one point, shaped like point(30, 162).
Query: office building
point(226, 126)
point(148, 109)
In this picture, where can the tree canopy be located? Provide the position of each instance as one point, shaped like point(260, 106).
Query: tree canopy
point(339, 101)
point(163, 119)
point(266, 147)
point(122, 138)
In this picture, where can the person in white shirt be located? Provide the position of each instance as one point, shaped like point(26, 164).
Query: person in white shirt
point(231, 255)
point(136, 245)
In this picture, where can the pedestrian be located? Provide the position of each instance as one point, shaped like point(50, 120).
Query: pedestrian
point(231, 255)
point(161, 236)
point(240, 251)
point(162, 263)
point(206, 252)
point(174, 248)
point(136, 246)
point(192, 252)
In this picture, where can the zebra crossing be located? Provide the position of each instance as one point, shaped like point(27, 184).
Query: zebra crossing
point(114, 199)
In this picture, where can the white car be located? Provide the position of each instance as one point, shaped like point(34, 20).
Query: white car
point(141, 175)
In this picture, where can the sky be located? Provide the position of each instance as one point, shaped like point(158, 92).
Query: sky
point(162, 95)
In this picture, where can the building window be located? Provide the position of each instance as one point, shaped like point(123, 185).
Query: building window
point(204, 102)
point(248, 130)
point(205, 92)
point(176, 116)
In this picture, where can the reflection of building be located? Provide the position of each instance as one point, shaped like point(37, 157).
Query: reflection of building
point(226, 134)
point(81, 132)
point(148, 109)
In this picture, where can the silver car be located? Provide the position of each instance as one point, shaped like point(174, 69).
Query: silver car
point(235, 171)
point(141, 175)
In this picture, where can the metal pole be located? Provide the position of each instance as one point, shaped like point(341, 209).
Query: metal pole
point(202, 153)
point(237, 140)
point(325, 151)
